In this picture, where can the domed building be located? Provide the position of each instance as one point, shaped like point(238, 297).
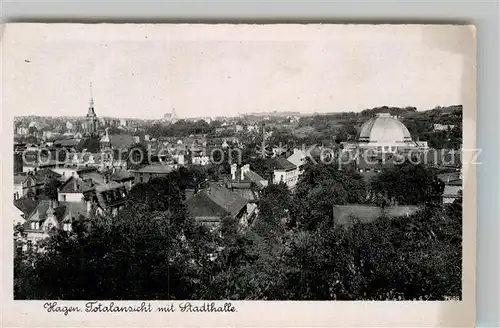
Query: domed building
point(385, 133)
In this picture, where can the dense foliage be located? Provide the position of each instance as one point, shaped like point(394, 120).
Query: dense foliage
point(420, 185)
point(294, 251)
point(180, 128)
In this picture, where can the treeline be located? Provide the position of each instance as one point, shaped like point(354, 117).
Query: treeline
point(341, 127)
point(180, 128)
point(294, 251)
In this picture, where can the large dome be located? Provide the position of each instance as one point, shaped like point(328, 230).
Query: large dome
point(384, 129)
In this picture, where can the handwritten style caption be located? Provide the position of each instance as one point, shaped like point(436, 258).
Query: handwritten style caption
point(143, 307)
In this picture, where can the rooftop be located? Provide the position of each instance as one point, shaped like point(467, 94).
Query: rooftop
point(216, 201)
point(76, 185)
point(283, 164)
point(155, 168)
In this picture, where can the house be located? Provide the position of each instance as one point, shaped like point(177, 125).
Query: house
point(145, 173)
point(18, 185)
point(212, 204)
point(297, 158)
point(245, 176)
point(245, 182)
point(286, 172)
point(75, 190)
point(123, 177)
point(34, 180)
point(111, 198)
point(48, 215)
point(25, 206)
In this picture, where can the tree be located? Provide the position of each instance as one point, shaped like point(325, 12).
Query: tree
point(419, 183)
point(32, 130)
point(293, 250)
point(342, 136)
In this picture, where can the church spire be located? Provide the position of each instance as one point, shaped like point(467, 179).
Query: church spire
point(91, 103)
point(90, 126)
point(91, 111)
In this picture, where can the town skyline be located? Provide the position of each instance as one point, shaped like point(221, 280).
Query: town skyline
point(146, 72)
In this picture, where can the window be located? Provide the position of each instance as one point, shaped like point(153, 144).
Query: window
point(63, 198)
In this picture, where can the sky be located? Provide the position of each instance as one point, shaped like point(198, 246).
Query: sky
point(144, 71)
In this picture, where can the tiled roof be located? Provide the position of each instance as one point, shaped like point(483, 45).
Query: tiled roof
point(80, 187)
point(155, 168)
point(121, 175)
point(284, 164)
point(226, 199)
point(26, 205)
point(42, 174)
point(201, 206)
point(252, 176)
point(43, 207)
point(74, 208)
point(216, 201)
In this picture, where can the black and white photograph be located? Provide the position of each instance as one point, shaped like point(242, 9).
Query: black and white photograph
point(232, 164)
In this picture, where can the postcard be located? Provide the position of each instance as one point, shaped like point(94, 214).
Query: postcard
point(285, 175)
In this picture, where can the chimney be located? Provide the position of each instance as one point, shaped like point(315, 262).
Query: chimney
point(242, 173)
point(233, 171)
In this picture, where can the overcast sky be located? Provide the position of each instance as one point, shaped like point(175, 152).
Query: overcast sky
point(144, 71)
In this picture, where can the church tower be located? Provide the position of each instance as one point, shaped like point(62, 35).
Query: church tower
point(91, 118)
